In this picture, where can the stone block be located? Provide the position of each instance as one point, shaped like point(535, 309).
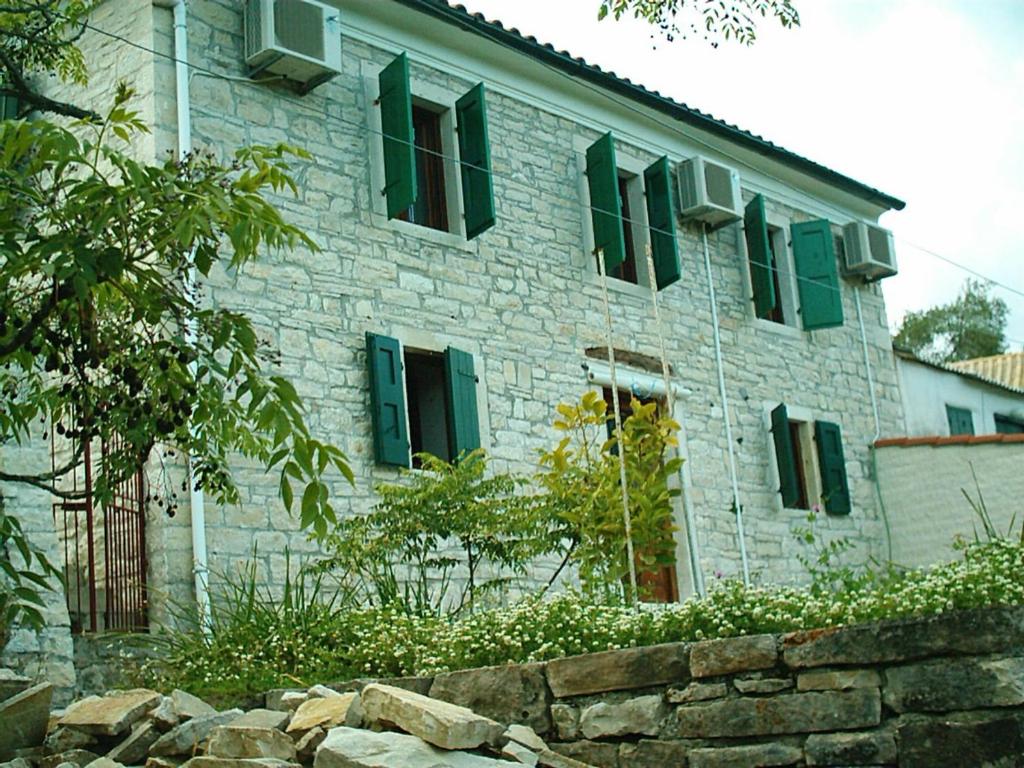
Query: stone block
point(305, 747)
point(62, 739)
point(838, 680)
point(992, 740)
point(104, 762)
point(437, 722)
point(751, 756)
point(186, 738)
point(696, 692)
point(986, 631)
point(955, 684)
point(11, 683)
point(551, 759)
point(514, 693)
point(25, 717)
point(619, 670)
point(262, 718)
point(164, 716)
point(326, 712)
point(134, 749)
point(790, 713)
point(566, 721)
point(762, 685)
point(112, 714)
point(517, 753)
point(246, 742)
point(733, 654)
point(76, 757)
point(869, 748)
point(600, 755)
point(654, 754)
point(526, 736)
point(640, 716)
point(188, 706)
point(284, 700)
point(353, 748)
point(207, 761)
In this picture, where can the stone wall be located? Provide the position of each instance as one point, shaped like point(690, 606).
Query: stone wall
point(919, 693)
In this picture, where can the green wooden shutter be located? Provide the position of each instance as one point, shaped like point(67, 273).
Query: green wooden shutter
point(605, 205)
point(755, 229)
point(387, 400)
point(399, 138)
point(660, 216)
point(785, 457)
point(832, 464)
point(961, 421)
point(821, 300)
point(460, 396)
point(8, 105)
point(475, 157)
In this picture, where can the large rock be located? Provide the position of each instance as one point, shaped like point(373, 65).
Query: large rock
point(205, 761)
point(654, 754)
point(868, 748)
point(285, 700)
point(551, 759)
point(955, 684)
point(437, 722)
point(187, 706)
point(326, 712)
point(696, 692)
point(525, 735)
point(25, 717)
point(186, 738)
point(514, 693)
point(837, 680)
point(751, 756)
point(112, 714)
point(242, 742)
point(599, 754)
point(733, 654)
point(353, 748)
point(62, 739)
point(792, 713)
point(164, 716)
point(566, 721)
point(134, 749)
point(11, 683)
point(619, 670)
point(640, 716)
point(978, 740)
point(762, 685)
point(262, 718)
point(990, 630)
point(305, 747)
point(77, 757)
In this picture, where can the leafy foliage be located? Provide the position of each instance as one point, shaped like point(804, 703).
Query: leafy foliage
point(581, 480)
point(715, 19)
point(246, 656)
point(407, 552)
point(25, 572)
point(973, 325)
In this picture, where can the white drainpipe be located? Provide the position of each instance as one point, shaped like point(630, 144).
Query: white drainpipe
point(197, 500)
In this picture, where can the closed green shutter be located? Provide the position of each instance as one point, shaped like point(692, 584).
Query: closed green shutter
point(834, 488)
point(821, 301)
point(660, 216)
point(387, 400)
point(785, 457)
point(460, 394)
point(399, 138)
point(755, 229)
point(8, 106)
point(475, 157)
point(961, 421)
point(605, 205)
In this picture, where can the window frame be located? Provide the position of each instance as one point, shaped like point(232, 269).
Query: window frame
point(810, 471)
point(786, 287)
point(960, 411)
point(1017, 423)
point(436, 99)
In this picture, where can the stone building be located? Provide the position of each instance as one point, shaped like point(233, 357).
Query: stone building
point(463, 274)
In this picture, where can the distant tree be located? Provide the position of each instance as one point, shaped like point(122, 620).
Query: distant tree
point(715, 19)
point(973, 325)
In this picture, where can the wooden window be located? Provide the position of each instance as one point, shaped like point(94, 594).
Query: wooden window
point(1007, 425)
point(430, 208)
point(961, 422)
point(796, 440)
point(776, 314)
point(428, 408)
point(627, 269)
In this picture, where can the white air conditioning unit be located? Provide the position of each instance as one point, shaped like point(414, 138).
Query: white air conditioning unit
point(868, 251)
point(296, 39)
point(709, 192)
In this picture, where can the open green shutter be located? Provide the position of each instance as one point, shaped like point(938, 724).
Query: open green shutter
point(755, 229)
point(475, 157)
point(785, 457)
point(460, 394)
point(832, 465)
point(821, 301)
point(658, 187)
point(387, 400)
point(399, 138)
point(605, 205)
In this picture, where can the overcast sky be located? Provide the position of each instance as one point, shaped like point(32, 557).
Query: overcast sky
point(923, 99)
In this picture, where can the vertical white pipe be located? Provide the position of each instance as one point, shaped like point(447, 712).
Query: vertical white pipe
point(725, 410)
point(197, 500)
point(691, 530)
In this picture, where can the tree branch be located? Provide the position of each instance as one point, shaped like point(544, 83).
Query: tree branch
point(16, 81)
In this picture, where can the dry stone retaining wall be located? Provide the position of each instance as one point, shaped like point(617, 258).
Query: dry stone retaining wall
point(944, 690)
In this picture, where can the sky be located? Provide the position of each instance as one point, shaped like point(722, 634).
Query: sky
point(923, 99)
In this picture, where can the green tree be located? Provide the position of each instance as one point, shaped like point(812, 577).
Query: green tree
point(972, 325)
point(105, 330)
point(714, 19)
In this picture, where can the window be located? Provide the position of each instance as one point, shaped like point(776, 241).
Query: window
point(662, 585)
point(1008, 425)
point(421, 401)
point(802, 481)
point(796, 285)
point(617, 198)
point(961, 421)
point(423, 145)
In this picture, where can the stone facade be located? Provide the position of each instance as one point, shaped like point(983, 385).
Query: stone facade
point(524, 298)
